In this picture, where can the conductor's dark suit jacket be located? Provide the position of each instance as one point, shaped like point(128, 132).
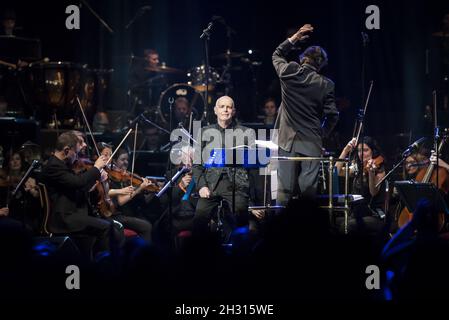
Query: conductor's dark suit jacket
point(308, 111)
point(68, 195)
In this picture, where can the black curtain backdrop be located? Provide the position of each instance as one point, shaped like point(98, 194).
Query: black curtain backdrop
point(395, 55)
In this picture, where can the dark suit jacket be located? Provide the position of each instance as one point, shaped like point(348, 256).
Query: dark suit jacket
point(209, 177)
point(68, 195)
point(308, 110)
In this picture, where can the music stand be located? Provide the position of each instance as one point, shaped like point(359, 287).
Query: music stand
point(237, 157)
point(411, 192)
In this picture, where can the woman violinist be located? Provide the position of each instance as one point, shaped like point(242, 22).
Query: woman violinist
point(121, 193)
point(367, 170)
point(25, 205)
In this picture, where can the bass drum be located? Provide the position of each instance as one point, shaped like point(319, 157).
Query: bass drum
point(54, 88)
point(55, 84)
point(181, 94)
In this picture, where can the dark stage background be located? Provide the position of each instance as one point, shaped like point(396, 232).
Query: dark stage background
point(395, 54)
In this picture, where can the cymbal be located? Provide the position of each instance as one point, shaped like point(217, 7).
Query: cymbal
point(29, 144)
point(164, 69)
point(229, 54)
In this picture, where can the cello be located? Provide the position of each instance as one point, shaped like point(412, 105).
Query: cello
point(425, 175)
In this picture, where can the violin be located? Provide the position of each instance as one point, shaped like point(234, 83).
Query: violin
point(104, 204)
point(136, 180)
point(378, 162)
point(82, 165)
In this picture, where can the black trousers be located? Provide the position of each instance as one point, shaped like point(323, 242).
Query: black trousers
point(207, 206)
point(296, 174)
point(142, 227)
point(98, 228)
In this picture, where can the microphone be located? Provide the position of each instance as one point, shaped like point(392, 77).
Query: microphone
point(413, 146)
point(45, 60)
point(36, 164)
point(138, 14)
point(206, 32)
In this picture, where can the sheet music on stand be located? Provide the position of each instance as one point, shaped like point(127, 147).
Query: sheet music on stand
point(239, 156)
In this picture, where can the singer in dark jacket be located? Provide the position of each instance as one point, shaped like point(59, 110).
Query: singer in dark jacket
point(306, 114)
point(217, 183)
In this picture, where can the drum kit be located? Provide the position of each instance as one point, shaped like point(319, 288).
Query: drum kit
point(192, 87)
point(51, 88)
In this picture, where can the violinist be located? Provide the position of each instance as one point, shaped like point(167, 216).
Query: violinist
point(24, 206)
point(68, 193)
point(120, 194)
point(367, 170)
point(135, 203)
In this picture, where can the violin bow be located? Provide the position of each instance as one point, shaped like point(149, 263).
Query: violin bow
point(134, 154)
point(118, 147)
point(87, 125)
point(364, 112)
point(360, 124)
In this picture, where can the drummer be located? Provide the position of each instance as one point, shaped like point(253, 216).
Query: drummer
point(152, 58)
point(145, 80)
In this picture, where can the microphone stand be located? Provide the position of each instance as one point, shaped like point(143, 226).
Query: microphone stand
point(206, 37)
point(405, 154)
point(32, 167)
point(97, 16)
point(153, 124)
point(436, 132)
point(138, 14)
point(358, 128)
point(25, 177)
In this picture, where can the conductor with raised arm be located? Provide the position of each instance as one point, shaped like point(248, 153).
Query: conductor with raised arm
point(306, 114)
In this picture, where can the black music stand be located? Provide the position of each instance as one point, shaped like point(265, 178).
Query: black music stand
point(234, 158)
point(411, 192)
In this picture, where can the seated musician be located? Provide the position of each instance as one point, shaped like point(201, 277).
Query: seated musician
point(414, 162)
point(145, 80)
point(421, 160)
point(138, 203)
point(120, 195)
point(217, 183)
point(441, 163)
point(25, 205)
point(68, 192)
point(367, 215)
point(183, 197)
